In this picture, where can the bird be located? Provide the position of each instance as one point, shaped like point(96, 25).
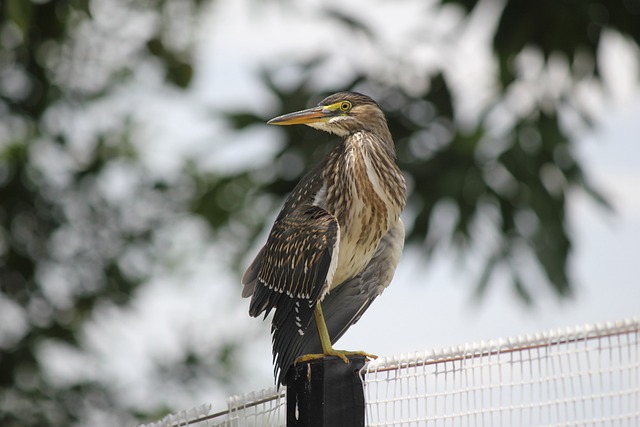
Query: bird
point(338, 238)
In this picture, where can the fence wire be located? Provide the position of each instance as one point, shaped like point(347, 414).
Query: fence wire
point(586, 376)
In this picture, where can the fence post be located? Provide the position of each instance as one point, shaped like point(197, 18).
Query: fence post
point(325, 393)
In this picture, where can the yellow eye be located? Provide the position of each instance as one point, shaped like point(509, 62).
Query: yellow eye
point(345, 106)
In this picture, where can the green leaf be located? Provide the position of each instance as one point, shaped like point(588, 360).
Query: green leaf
point(177, 70)
point(243, 120)
point(20, 12)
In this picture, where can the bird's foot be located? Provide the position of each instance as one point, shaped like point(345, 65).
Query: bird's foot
point(342, 354)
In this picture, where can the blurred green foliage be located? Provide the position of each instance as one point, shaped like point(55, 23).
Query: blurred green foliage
point(58, 223)
point(67, 228)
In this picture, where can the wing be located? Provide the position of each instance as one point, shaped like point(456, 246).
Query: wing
point(290, 274)
point(297, 206)
point(346, 303)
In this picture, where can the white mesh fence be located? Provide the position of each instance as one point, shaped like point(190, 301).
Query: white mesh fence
point(265, 408)
point(587, 376)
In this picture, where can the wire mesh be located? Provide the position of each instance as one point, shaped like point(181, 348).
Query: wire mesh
point(587, 376)
point(264, 408)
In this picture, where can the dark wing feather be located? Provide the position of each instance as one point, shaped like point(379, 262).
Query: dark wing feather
point(251, 275)
point(290, 274)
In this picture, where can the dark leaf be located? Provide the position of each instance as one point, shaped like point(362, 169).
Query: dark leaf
point(243, 120)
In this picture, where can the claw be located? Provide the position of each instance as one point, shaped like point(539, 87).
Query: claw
point(342, 354)
point(325, 342)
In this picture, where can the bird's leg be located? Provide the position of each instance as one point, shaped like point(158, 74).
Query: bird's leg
point(325, 342)
point(323, 332)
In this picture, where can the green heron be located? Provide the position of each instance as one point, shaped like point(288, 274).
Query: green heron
point(336, 242)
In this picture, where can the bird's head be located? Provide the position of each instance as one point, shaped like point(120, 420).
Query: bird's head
point(342, 113)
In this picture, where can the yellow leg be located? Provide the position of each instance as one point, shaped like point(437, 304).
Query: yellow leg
point(325, 342)
point(323, 332)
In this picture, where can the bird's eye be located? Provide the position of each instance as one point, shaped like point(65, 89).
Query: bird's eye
point(345, 106)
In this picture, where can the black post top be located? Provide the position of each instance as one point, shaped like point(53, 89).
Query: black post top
point(326, 393)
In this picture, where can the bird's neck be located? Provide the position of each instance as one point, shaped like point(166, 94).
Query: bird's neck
point(363, 170)
point(379, 138)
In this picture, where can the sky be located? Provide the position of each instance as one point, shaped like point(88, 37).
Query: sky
point(426, 306)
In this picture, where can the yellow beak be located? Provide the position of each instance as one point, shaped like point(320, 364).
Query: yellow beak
point(311, 115)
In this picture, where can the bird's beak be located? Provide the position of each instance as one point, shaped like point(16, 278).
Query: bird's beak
point(311, 115)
